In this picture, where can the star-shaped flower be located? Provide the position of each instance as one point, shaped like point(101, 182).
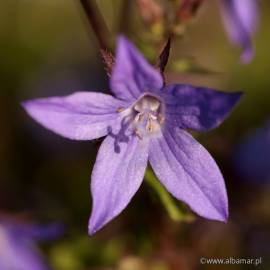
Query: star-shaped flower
point(144, 121)
point(240, 21)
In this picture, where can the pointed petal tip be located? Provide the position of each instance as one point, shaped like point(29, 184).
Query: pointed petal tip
point(122, 42)
point(31, 109)
point(25, 104)
point(93, 227)
point(30, 104)
point(220, 217)
point(226, 220)
point(223, 215)
point(238, 95)
point(235, 98)
point(125, 44)
point(121, 38)
point(91, 231)
point(223, 210)
point(247, 56)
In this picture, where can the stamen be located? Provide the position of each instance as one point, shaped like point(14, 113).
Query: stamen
point(138, 134)
point(120, 109)
point(161, 118)
point(139, 117)
point(147, 116)
point(153, 117)
point(150, 125)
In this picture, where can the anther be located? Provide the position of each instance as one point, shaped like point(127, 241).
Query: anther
point(161, 118)
point(150, 125)
point(120, 109)
point(136, 132)
point(138, 117)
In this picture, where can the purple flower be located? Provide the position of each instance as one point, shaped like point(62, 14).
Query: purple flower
point(240, 21)
point(17, 245)
point(251, 157)
point(144, 121)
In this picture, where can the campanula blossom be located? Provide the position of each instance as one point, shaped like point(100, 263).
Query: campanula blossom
point(144, 120)
point(240, 21)
point(18, 248)
point(252, 156)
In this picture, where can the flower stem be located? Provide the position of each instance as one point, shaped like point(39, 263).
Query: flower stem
point(96, 22)
point(101, 32)
point(174, 211)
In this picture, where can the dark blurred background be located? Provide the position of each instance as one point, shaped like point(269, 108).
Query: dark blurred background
point(48, 49)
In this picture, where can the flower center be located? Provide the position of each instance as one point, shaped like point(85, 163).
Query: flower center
point(148, 116)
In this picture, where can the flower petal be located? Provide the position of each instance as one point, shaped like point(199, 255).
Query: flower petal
point(189, 173)
point(19, 253)
point(197, 108)
point(240, 22)
point(80, 116)
point(36, 232)
point(117, 175)
point(24, 257)
point(132, 75)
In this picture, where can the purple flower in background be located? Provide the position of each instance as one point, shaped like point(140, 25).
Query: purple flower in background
point(144, 121)
point(252, 156)
point(17, 245)
point(240, 21)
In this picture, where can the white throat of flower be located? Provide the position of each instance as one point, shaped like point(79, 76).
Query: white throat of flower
point(146, 116)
